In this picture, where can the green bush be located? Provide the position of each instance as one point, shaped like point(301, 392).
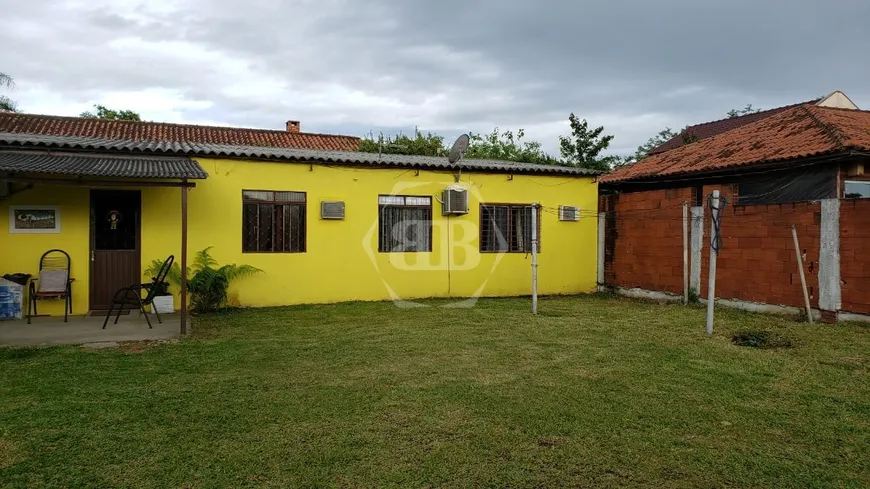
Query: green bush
point(207, 283)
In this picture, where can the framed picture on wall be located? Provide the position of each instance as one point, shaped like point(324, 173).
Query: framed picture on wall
point(34, 219)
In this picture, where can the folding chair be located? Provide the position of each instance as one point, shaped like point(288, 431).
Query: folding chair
point(52, 283)
point(132, 295)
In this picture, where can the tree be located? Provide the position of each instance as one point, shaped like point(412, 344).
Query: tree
point(749, 109)
point(421, 144)
point(6, 103)
point(584, 146)
point(667, 134)
point(102, 112)
point(660, 138)
point(619, 161)
point(509, 147)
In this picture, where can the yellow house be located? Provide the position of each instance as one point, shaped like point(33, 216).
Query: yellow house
point(323, 226)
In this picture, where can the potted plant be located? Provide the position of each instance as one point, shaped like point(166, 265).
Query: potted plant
point(163, 300)
point(207, 282)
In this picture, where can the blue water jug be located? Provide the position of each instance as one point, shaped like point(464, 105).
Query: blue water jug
point(6, 303)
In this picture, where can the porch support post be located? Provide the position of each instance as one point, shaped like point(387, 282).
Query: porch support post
point(184, 191)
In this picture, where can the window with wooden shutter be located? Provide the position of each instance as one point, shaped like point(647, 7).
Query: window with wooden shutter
point(273, 221)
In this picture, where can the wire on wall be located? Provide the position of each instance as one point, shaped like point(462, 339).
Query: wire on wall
point(716, 217)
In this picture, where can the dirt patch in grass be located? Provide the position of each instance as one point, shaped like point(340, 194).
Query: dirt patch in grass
point(133, 347)
point(762, 339)
point(9, 453)
point(550, 441)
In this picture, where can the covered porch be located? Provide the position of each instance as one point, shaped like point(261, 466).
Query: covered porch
point(112, 213)
point(47, 331)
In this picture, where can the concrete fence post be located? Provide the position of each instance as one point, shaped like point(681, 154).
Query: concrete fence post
point(830, 298)
point(697, 237)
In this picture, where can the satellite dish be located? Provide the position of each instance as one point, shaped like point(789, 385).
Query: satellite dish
point(458, 150)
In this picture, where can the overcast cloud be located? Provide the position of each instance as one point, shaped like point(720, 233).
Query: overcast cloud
point(449, 66)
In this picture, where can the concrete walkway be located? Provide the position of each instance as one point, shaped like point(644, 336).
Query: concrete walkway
point(82, 329)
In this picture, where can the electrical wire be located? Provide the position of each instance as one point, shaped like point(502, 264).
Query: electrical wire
point(651, 212)
point(716, 217)
point(634, 212)
point(761, 216)
point(735, 216)
point(572, 180)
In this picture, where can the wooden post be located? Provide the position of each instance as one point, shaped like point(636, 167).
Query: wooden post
point(800, 263)
point(602, 230)
point(685, 252)
point(184, 191)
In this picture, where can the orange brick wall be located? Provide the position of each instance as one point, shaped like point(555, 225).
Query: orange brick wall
point(644, 239)
point(757, 261)
point(644, 246)
point(855, 255)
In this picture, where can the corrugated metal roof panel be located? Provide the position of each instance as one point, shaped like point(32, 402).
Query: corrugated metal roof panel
point(77, 164)
point(287, 154)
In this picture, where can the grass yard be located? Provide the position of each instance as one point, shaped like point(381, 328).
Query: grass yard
point(595, 391)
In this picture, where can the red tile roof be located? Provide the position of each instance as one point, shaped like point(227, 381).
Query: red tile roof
point(159, 131)
point(804, 130)
point(710, 129)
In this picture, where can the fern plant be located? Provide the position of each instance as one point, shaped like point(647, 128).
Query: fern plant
point(207, 283)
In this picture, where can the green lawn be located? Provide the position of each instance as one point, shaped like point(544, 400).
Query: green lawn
point(595, 391)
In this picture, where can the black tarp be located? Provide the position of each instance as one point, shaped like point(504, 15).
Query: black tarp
point(795, 185)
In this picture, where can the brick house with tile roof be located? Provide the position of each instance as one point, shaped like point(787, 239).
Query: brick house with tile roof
point(705, 130)
point(292, 137)
point(803, 167)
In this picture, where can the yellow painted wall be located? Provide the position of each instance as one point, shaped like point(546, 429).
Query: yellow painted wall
point(21, 252)
point(342, 262)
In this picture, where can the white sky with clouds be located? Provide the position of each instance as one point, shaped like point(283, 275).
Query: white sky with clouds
point(350, 67)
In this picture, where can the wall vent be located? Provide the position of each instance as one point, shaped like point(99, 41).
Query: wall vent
point(569, 213)
point(454, 200)
point(331, 209)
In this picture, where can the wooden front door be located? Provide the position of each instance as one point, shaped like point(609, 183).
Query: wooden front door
point(115, 250)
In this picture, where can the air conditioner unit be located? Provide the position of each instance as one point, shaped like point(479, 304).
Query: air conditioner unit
point(454, 200)
point(331, 209)
point(569, 213)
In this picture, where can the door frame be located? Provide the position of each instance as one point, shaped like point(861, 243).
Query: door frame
point(92, 237)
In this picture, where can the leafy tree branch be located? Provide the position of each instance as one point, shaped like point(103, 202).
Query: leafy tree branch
point(103, 112)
